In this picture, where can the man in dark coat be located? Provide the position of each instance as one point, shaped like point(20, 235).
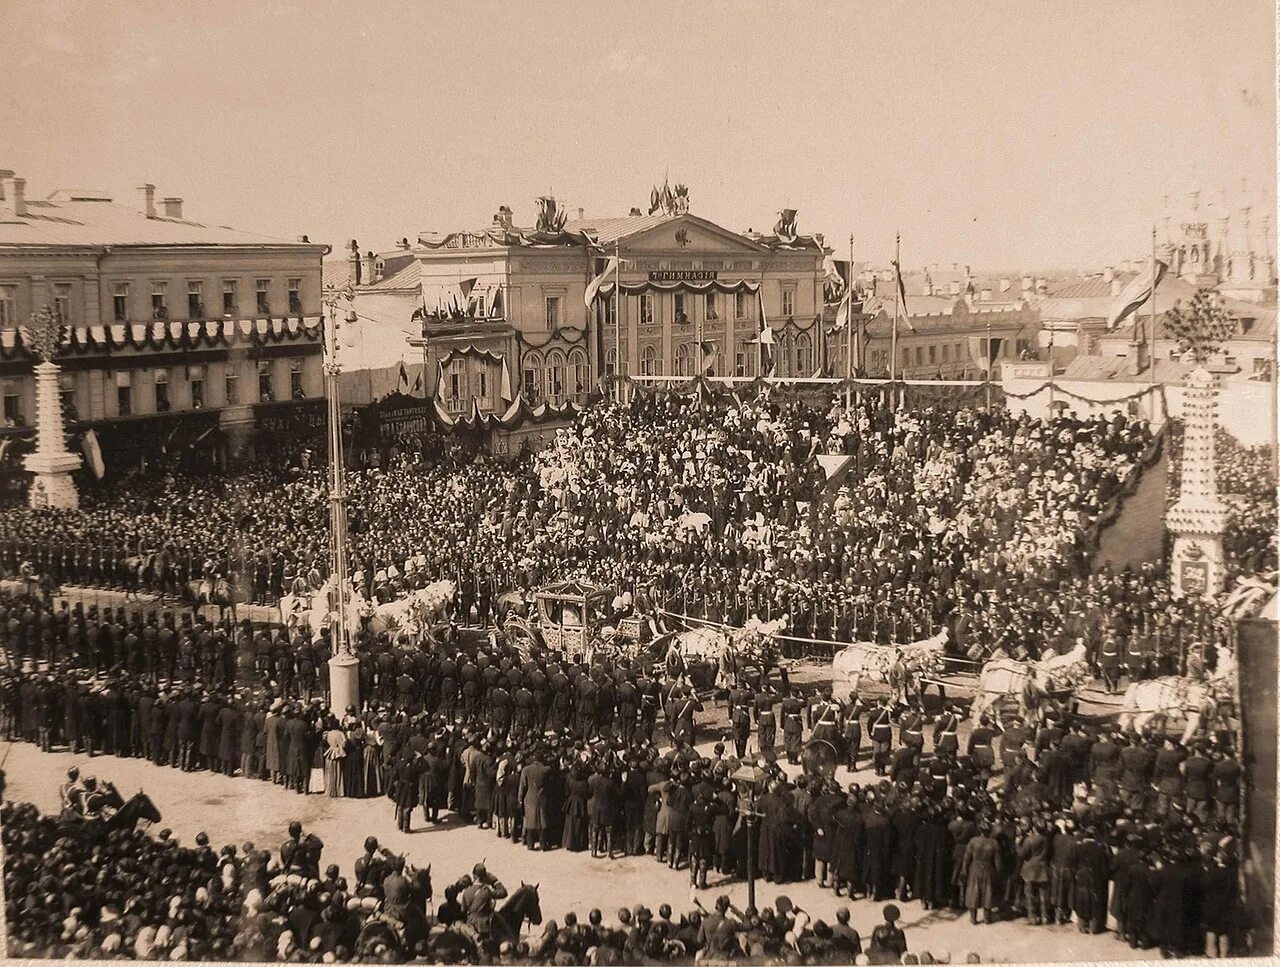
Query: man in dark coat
point(230, 720)
point(1091, 873)
point(600, 813)
point(878, 854)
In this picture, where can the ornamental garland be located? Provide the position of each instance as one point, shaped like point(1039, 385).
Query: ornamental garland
point(163, 335)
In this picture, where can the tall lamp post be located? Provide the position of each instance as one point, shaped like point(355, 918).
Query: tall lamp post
point(748, 777)
point(344, 666)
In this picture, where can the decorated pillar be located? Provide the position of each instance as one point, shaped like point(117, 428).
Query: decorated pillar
point(1198, 519)
point(51, 464)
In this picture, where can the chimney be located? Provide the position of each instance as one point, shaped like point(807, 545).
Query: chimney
point(1108, 274)
point(172, 207)
point(370, 270)
point(1005, 285)
point(1137, 359)
point(1115, 286)
point(634, 213)
point(1042, 286)
point(148, 193)
point(353, 258)
point(581, 214)
point(984, 295)
point(15, 195)
point(1028, 283)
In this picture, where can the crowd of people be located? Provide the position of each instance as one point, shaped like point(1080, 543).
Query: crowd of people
point(1078, 822)
point(126, 894)
point(717, 508)
point(973, 520)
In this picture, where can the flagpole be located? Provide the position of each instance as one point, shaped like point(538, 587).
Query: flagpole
point(897, 299)
point(1151, 352)
point(617, 320)
point(848, 336)
point(986, 354)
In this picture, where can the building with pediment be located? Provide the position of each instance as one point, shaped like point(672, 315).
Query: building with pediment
point(503, 309)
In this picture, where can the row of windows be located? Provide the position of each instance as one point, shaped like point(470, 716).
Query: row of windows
point(228, 302)
point(129, 391)
point(558, 377)
point(228, 305)
point(683, 307)
point(793, 356)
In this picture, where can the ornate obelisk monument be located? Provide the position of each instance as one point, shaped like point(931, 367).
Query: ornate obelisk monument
point(1198, 518)
point(52, 463)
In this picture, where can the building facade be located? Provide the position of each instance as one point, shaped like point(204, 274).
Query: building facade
point(505, 312)
point(178, 337)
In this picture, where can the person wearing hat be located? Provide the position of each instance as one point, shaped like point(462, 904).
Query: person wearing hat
point(888, 941)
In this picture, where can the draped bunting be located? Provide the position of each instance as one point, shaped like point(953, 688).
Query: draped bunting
point(712, 285)
point(513, 417)
point(948, 390)
point(160, 335)
point(570, 335)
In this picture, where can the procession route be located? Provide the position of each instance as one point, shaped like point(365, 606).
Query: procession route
point(236, 810)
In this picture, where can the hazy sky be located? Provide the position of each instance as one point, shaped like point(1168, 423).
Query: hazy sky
point(1003, 135)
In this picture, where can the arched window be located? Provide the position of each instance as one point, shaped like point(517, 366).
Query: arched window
point(684, 360)
point(650, 365)
point(804, 355)
point(532, 364)
point(579, 373)
point(555, 377)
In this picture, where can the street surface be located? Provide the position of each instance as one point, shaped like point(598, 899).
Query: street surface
point(235, 810)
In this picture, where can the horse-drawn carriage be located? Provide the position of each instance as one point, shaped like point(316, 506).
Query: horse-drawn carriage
point(568, 617)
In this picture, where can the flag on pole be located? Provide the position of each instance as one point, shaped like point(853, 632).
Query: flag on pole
point(593, 287)
point(846, 306)
point(707, 358)
point(508, 395)
point(417, 382)
point(902, 297)
point(1136, 293)
point(93, 453)
point(984, 352)
point(404, 377)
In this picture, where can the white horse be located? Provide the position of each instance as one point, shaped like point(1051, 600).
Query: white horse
point(898, 666)
point(1030, 682)
point(1173, 697)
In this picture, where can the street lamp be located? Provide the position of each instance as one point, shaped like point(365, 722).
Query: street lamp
point(344, 666)
point(749, 777)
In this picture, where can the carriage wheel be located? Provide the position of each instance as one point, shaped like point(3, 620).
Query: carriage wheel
point(522, 635)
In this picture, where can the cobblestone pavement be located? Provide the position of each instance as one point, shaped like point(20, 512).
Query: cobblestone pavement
point(234, 810)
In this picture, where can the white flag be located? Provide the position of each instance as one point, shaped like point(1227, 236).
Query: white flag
point(593, 287)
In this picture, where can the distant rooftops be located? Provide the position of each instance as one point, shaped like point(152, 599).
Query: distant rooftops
point(91, 217)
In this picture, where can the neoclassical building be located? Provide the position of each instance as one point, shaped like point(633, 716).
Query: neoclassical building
point(504, 309)
point(178, 336)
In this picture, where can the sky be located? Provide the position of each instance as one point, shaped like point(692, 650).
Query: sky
point(997, 134)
